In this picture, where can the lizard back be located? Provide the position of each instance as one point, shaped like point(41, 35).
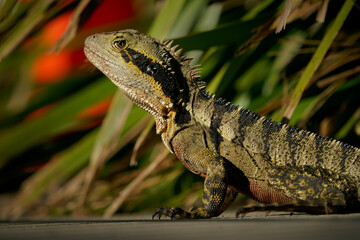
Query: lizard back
point(235, 149)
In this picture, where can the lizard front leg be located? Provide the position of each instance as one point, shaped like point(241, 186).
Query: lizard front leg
point(217, 195)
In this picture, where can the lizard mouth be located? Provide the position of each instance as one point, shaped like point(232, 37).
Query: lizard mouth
point(119, 78)
point(143, 102)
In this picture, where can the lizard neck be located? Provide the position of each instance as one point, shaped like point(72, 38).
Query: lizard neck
point(177, 118)
point(209, 111)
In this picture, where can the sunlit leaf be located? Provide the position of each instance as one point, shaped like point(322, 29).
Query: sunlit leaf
point(54, 122)
point(318, 57)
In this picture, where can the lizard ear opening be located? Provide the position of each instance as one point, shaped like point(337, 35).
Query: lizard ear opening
point(152, 69)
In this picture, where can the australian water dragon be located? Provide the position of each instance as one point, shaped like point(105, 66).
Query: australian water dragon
point(234, 149)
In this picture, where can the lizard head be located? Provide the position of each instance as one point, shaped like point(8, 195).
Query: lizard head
point(150, 72)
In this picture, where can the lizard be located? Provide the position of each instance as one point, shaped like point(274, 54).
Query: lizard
point(234, 149)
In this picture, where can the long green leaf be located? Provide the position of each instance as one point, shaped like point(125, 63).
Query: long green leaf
point(187, 18)
point(58, 169)
point(17, 139)
point(107, 139)
point(6, 7)
point(318, 57)
point(166, 18)
point(236, 32)
point(69, 162)
point(112, 126)
point(346, 128)
point(26, 25)
point(12, 17)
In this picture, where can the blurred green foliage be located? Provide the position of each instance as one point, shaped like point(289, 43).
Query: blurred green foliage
point(57, 159)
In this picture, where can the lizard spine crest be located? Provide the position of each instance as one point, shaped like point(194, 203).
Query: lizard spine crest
point(235, 149)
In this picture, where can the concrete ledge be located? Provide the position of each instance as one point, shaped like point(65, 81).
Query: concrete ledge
point(140, 226)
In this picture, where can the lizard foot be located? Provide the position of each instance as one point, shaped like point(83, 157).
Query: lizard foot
point(266, 208)
point(178, 213)
point(312, 207)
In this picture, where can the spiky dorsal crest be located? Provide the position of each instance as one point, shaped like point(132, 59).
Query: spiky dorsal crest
point(190, 71)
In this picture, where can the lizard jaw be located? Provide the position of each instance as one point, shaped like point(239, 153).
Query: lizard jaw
point(145, 102)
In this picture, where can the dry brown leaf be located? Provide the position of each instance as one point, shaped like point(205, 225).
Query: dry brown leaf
point(81, 13)
point(134, 184)
point(139, 141)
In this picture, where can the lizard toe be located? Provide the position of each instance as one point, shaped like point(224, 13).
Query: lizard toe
point(173, 213)
point(242, 211)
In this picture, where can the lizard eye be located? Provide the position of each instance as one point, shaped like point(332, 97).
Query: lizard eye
point(119, 44)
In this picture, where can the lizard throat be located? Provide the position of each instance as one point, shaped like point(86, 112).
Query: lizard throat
point(119, 78)
point(167, 74)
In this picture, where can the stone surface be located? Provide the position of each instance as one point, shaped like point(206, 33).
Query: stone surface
point(253, 226)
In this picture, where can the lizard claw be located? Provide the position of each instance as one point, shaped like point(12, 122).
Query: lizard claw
point(267, 213)
point(179, 213)
point(169, 212)
point(241, 211)
point(158, 212)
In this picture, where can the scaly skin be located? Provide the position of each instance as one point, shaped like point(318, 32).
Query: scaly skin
point(234, 149)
